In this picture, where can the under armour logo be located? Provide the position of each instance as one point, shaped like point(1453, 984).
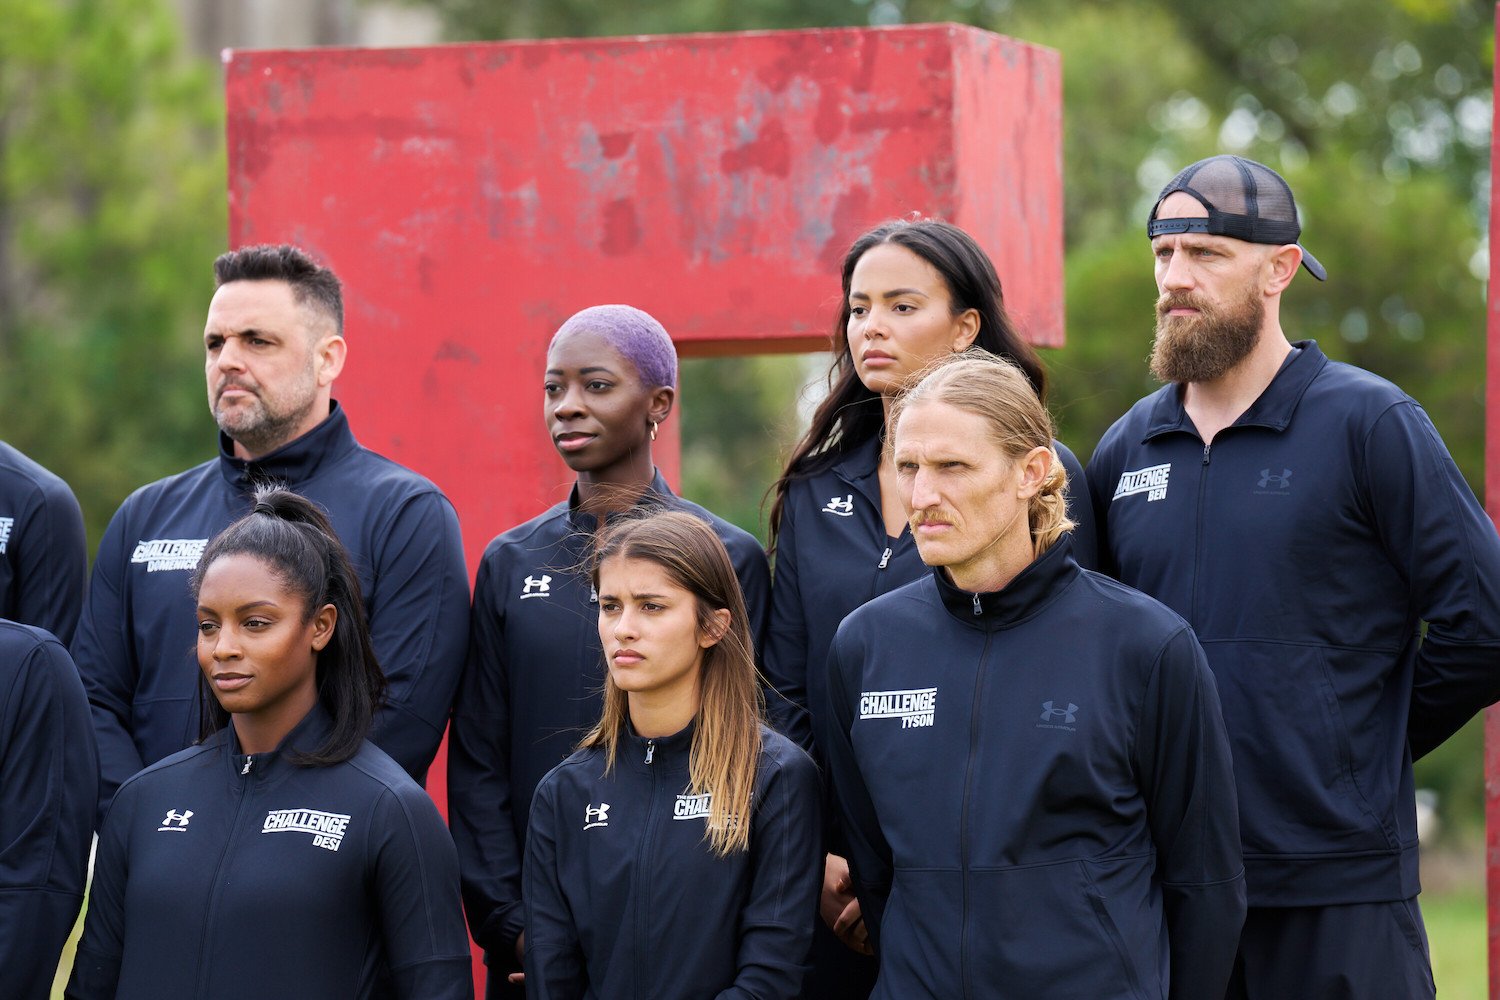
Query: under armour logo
point(843, 508)
point(1050, 714)
point(537, 586)
point(175, 817)
point(1268, 481)
point(595, 815)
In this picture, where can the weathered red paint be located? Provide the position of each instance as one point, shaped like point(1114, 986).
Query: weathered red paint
point(474, 196)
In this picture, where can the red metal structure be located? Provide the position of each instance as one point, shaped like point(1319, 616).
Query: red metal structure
point(474, 196)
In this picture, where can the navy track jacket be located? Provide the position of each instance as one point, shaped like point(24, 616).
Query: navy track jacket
point(1036, 791)
point(136, 642)
point(44, 558)
point(1306, 546)
point(533, 687)
point(833, 555)
point(221, 876)
point(625, 900)
point(48, 775)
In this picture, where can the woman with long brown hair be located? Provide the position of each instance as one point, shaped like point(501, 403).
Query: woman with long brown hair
point(675, 854)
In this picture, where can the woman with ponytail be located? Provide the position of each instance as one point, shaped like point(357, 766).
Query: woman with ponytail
point(1059, 731)
point(674, 855)
point(914, 291)
point(285, 855)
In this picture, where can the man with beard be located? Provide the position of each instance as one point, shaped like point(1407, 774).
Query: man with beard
point(273, 346)
point(1304, 516)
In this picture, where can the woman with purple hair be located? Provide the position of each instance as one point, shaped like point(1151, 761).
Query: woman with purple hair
point(534, 678)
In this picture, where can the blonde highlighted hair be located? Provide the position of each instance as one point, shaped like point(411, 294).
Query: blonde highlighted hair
point(726, 738)
point(987, 386)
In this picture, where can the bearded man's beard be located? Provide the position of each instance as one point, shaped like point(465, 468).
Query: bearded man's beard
point(1204, 347)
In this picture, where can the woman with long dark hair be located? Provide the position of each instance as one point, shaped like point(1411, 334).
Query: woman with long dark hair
point(913, 292)
point(285, 855)
point(532, 682)
point(675, 854)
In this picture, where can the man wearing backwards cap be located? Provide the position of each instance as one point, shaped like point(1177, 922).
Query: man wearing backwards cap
point(1306, 519)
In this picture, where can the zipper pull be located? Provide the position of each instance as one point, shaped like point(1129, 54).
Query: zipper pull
point(248, 761)
point(977, 609)
point(885, 557)
point(1206, 449)
point(650, 750)
point(593, 594)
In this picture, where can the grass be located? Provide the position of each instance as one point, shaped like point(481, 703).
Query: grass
point(1456, 933)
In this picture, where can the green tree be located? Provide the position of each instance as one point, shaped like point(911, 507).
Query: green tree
point(111, 208)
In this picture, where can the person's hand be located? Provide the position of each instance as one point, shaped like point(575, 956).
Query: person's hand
point(519, 977)
point(838, 889)
point(850, 928)
point(839, 907)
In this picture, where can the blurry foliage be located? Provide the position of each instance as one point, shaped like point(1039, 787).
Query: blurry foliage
point(111, 209)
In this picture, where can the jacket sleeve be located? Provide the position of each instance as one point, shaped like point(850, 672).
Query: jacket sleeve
point(1100, 478)
point(785, 655)
point(47, 802)
point(416, 887)
point(786, 871)
point(96, 967)
point(554, 956)
point(870, 861)
point(419, 615)
point(1183, 759)
point(1446, 548)
point(1080, 508)
point(52, 563)
point(105, 655)
point(479, 793)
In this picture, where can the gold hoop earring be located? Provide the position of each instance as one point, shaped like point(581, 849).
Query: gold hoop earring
point(653, 429)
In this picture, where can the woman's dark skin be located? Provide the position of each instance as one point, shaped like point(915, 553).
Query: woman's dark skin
point(601, 418)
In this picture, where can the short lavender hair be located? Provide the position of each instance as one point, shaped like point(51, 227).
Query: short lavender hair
point(636, 334)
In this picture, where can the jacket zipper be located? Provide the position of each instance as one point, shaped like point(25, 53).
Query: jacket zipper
point(963, 826)
point(1198, 532)
point(885, 558)
point(213, 895)
point(644, 926)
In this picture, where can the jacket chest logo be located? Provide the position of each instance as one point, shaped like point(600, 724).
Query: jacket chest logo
point(327, 828)
point(6, 524)
point(915, 707)
point(841, 507)
point(1151, 481)
point(163, 554)
point(693, 806)
point(1269, 482)
point(1058, 715)
point(595, 816)
point(175, 822)
point(536, 586)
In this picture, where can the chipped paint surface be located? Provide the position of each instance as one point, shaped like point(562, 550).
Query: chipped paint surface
point(474, 196)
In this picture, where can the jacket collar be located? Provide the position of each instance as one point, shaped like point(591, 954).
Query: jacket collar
point(295, 462)
point(1041, 582)
point(657, 494)
point(306, 736)
point(860, 468)
point(1272, 409)
point(667, 752)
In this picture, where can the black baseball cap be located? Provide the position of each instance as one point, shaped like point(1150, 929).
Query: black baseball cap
point(1246, 200)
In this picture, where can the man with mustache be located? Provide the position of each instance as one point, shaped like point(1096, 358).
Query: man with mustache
point(1304, 516)
point(273, 346)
